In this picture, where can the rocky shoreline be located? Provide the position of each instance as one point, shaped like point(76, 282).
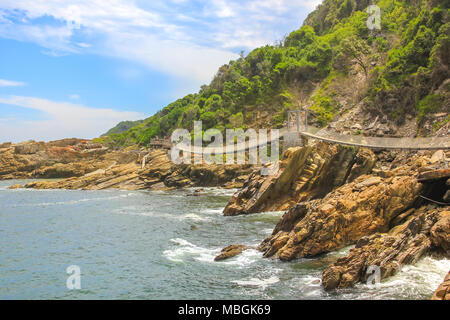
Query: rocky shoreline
point(80, 164)
point(443, 291)
point(392, 206)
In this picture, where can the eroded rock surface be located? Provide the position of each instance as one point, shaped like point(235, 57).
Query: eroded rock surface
point(423, 232)
point(305, 173)
point(355, 210)
point(57, 159)
point(93, 167)
point(443, 291)
point(230, 251)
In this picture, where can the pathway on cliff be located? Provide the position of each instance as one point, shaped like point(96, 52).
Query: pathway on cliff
point(297, 138)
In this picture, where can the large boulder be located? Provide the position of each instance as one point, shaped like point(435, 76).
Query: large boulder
point(404, 244)
point(30, 147)
point(443, 291)
point(358, 209)
point(305, 173)
point(230, 251)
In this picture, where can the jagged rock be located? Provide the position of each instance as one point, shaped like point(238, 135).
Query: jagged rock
point(56, 159)
point(438, 156)
point(230, 251)
point(342, 217)
point(176, 180)
point(61, 170)
point(305, 173)
point(446, 197)
point(30, 147)
point(91, 167)
point(16, 186)
point(443, 291)
point(404, 244)
point(5, 145)
point(122, 176)
point(197, 193)
point(363, 163)
point(440, 234)
point(370, 181)
point(434, 175)
point(83, 143)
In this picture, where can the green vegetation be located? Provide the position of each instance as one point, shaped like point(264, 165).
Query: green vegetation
point(429, 104)
point(404, 63)
point(122, 127)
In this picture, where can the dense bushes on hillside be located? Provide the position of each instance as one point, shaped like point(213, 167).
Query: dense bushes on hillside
point(404, 62)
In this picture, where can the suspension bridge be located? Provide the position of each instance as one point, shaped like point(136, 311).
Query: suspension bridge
point(297, 133)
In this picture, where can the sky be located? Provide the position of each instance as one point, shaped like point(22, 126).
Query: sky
point(75, 68)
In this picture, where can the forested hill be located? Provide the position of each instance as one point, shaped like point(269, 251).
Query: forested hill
point(332, 64)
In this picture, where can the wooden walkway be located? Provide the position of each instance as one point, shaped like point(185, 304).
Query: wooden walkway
point(296, 138)
point(387, 143)
point(384, 143)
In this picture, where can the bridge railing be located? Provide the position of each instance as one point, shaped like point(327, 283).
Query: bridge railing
point(408, 143)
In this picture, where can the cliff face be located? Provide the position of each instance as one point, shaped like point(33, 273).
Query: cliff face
point(81, 164)
point(56, 159)
point(392, 205)
point(388, 81)
point(443, 292)
point(425, 230)
point(306, 173)
point(358, 209)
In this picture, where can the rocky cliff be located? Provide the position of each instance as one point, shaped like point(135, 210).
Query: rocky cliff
point(80, 164)
point(306, 173)
point(56, 159)
point(443, 292)
point(393, 206)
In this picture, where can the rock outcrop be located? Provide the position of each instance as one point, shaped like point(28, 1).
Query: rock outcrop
point(124, 177)
point(305, 173)
point(57, 159)
point(355, 210)
point(230, 251)
point(425, 230)
point(83, 165)
point(443, 291)
point(395, 215)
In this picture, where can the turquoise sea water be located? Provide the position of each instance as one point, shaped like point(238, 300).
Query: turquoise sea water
point(161, 245)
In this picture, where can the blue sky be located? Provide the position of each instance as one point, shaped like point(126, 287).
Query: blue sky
point(76, 68)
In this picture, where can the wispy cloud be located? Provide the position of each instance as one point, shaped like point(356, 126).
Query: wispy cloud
point(61, 120)
point(9, 83)
point(186, 38)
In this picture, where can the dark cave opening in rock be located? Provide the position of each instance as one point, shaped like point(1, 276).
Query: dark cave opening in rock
point(435, 191)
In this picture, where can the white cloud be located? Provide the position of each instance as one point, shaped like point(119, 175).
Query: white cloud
point(9, 83)
point(176, 58)
point(83, 45)
point(188, 39)
point(62, 120)
point(74, 96)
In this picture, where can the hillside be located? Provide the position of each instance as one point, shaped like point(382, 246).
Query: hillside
point(393, 81)
point(122, 127)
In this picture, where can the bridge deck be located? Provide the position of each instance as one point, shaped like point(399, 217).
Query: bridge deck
point(404, 143)
point(433, 143)
point(294, 138)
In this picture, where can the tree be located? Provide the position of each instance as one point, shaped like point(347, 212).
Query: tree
point(357, 50)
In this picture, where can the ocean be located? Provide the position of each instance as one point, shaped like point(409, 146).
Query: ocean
point(161, 245)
